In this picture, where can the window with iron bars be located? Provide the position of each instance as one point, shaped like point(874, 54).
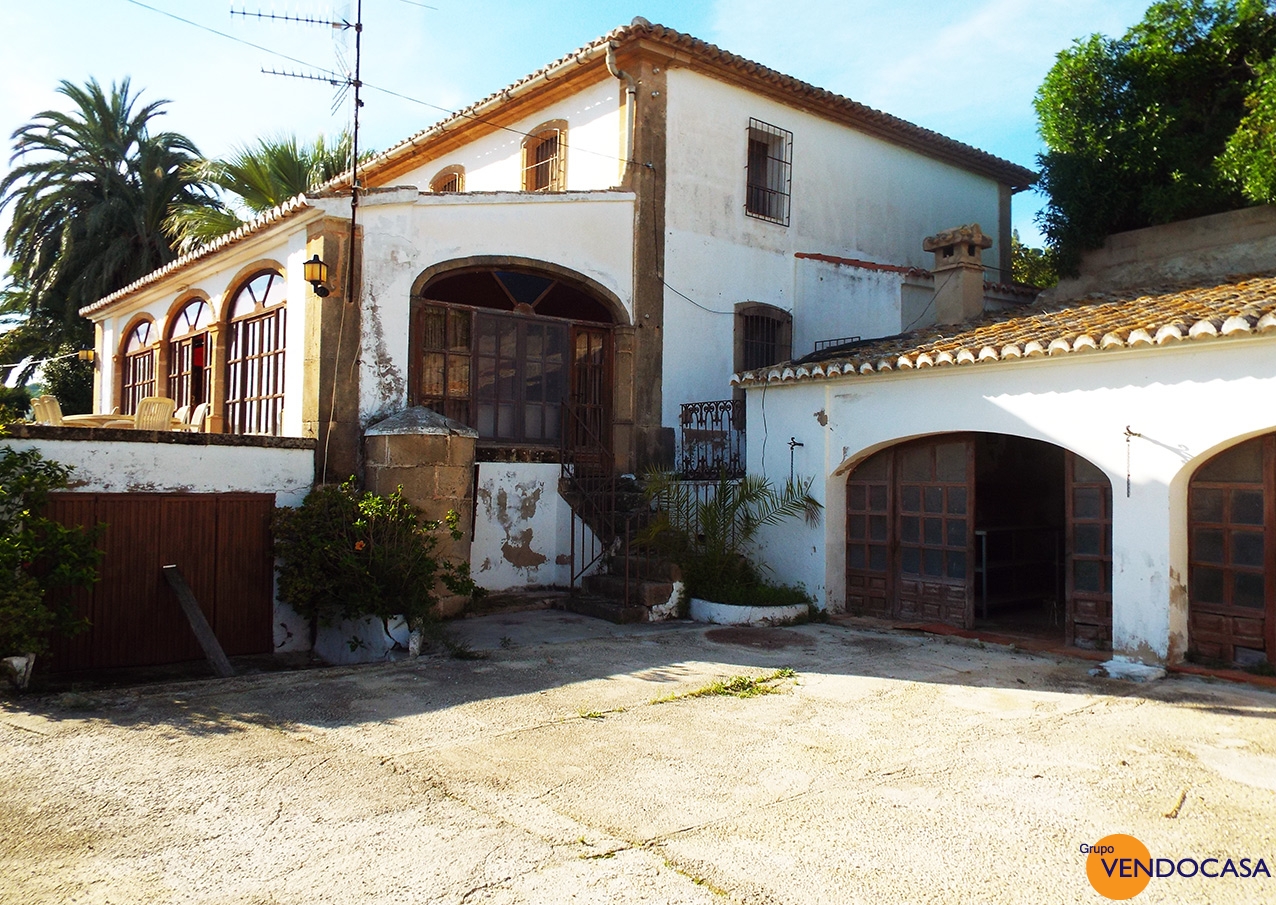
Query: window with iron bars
point(769, 172)
point(449, 179)
point(544, 164)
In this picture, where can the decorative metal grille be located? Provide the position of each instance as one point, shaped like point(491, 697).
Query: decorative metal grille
point(770, 172)
point(543, 164)
point(821, 344)
point(712, 444)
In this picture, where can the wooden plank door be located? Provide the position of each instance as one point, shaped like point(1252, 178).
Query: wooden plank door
point(1231, 561)
point(869, 589)
point(1087, 555)
point(935, 488)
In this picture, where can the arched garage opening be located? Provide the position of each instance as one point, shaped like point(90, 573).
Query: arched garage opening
point(1231, 559)
point(983, 531)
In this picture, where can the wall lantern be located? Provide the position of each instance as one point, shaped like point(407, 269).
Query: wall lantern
point(316, 272)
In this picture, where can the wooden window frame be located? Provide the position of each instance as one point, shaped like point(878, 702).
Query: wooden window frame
point(256, 347)
point(550, 173)
point(457, 393)
point(137, 372)
point(449, 179)
point(189, 381)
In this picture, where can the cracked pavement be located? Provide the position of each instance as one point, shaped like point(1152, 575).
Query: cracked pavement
point(892, 768)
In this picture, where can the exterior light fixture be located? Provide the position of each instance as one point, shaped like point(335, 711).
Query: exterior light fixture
point(316, 272)
point(85, 355)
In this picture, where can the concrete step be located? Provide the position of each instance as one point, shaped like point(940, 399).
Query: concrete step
point(641, 593)
point(608, 608)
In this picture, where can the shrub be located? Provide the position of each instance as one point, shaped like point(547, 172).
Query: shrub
point(41, 561)
point(345, 554)
point(709, 536)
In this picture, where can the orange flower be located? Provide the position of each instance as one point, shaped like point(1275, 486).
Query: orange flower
point(359, 545)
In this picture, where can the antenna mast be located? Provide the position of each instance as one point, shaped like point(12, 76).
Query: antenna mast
point(345, 82)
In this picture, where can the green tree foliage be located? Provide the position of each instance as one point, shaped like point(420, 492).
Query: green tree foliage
point(1031, 266)
point(345, 554)
point(41, 561)
point(1134, 127)
point(15, 403)
point(256, 179)
point(89, 194)
point(1249, 159)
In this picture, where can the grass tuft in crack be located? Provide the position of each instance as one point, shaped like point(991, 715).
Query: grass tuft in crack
point(736, 687)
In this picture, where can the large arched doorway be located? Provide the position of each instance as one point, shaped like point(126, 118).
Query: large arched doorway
point(982, 531)
point(1231, 561)
point(521, 354)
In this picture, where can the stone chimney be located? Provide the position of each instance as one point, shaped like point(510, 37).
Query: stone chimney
point(959, 272)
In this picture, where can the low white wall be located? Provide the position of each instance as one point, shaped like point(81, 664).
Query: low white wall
point(522, 530)
point(1188, 402)
point(130, 466)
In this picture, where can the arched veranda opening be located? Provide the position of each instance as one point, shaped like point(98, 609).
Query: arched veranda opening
point(983, 531)
point(522, 352)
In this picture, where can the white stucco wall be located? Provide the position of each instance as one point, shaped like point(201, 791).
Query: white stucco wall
point(406, 233)
point(105, 466)
point(217, 279)
point(853, 196)
point(494, 163)
point(1188, 401)
point(522, 530)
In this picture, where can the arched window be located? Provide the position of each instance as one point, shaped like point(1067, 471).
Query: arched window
point(255, 356)
point(449, 179)
point(545, 159)
point(763, 337)
point(139, 367)
point(188, 354)
point(1231, 561)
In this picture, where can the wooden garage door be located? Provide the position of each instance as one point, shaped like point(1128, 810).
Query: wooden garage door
point(1088, 563)
point(910, 533)
point(1232, 601)
point(221, 543)
point(868, 537)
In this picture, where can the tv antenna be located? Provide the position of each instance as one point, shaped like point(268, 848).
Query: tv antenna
point(345, 80)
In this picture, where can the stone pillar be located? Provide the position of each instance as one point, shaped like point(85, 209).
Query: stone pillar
point(959, 272)
point(432, 458)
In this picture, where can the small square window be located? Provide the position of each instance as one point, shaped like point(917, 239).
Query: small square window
point(769, 175)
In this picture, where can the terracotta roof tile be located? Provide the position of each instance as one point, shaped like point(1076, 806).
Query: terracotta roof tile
point(252, 227)
point(865, 118)
point(1243, 308)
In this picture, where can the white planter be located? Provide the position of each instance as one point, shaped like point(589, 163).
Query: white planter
point(731, 614)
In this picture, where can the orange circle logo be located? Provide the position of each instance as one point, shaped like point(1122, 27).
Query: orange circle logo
point(1119, 866)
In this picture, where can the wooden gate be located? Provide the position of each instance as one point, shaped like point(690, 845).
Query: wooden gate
point(221, 543)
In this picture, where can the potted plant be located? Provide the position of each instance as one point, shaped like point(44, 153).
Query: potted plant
point(708, 531)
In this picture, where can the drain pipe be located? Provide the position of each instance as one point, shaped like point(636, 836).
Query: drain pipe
point(631, 103)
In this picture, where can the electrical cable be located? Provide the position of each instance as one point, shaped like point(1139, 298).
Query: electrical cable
point(368, 85)
point(42, 361)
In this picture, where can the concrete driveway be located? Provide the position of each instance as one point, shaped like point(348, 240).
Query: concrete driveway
point(889, 768)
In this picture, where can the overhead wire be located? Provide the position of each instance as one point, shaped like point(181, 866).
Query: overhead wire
point(339, 77)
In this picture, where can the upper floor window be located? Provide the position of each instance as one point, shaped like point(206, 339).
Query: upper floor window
point(763, 337)
point(255, 357)
point(449, 179)
point(769, 172)
point(139, 367)
point(188, 354)
point(545, 159)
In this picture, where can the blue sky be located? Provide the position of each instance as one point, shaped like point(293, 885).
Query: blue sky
point(968, 70)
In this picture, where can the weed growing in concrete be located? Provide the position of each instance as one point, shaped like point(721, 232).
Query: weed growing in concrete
point(506, 642)
point(736, 687)
point(461, 650)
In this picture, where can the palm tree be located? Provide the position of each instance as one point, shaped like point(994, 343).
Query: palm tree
point(89, 197)
point(257, 179)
